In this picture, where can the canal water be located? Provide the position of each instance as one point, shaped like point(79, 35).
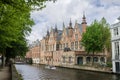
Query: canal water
point(39, 72)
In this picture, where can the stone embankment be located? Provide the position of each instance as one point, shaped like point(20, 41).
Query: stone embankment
point(89, 68)
point(9, 72)
point(14, 74)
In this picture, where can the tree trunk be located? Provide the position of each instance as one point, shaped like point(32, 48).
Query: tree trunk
point(3, 60)
point(93, 59)
point(3, 57)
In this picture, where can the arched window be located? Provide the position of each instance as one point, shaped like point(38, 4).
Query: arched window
point(95, 59)
point(88, 59)
point(80, 45)
point(76, 44)
point(102, 59)
point(57, 47)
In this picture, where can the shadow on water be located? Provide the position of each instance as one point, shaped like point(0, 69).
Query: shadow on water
point(38, 72)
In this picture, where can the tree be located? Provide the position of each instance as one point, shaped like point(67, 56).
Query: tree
point(19, 48)
point(97, 37)
point(12, 27)
point(15, 24)
point(106, 34)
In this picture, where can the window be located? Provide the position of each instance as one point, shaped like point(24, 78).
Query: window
point(80, 45)
point(117, 52)
point(102, 59)
point(70, 59)
point(63, 46)
point(76, 36)
point(76, 44)
point(95, 59)
point(60, 46)
point(66, 44)
point(116, 31)
point(88, 59)
point(117, 65)
point(57, 47)
point(72, 45)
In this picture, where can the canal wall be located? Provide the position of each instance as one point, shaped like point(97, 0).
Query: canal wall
point(89, 68)
point(101, 69)
point(14, 74)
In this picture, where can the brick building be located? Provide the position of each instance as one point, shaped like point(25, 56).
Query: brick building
point(63, 47)
point(34, 52)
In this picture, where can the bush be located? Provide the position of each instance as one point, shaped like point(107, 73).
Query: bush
point(109, 64)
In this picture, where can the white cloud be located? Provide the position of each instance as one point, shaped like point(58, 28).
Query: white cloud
point(63, 10)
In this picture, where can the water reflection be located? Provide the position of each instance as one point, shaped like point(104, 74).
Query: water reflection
point(35, 72)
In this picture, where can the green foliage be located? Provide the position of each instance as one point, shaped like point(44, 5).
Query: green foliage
point(97, 37)
point(106, 34)
point(109, 64)
point(29, 61)
point(15, 24)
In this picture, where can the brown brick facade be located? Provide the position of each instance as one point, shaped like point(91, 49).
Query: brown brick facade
point(63, 47)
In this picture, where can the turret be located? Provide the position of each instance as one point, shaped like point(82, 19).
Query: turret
point(48, 34)
point(70, 24)
point(70, 29)
point(84, 23)
point(84, 19)
point(56, 30)
point(63, 25)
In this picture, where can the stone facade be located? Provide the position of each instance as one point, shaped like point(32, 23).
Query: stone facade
point(115, 34)
point(63, 47)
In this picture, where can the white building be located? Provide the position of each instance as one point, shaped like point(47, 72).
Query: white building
point(115, 39)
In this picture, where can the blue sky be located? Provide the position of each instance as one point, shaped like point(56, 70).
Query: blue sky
point(62, 10)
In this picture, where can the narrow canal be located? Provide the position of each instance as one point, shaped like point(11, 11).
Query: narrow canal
point(35, 72)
